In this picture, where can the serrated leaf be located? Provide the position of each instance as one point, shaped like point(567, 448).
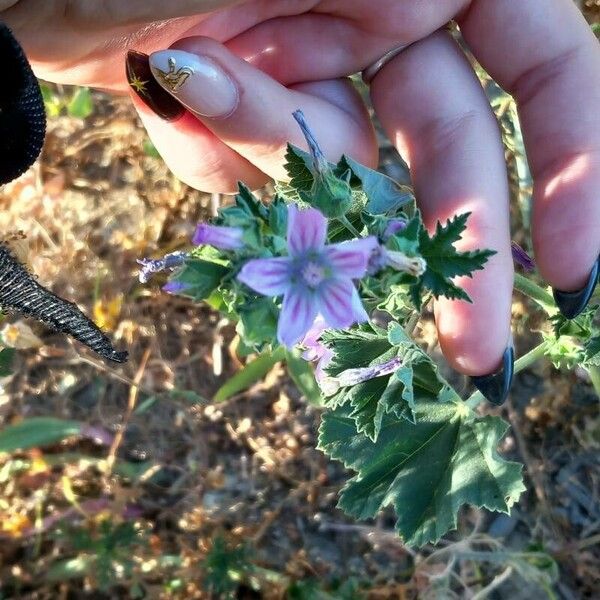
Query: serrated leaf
point(354, 348)
point(591, 352)
point(426, 471)
point(381, 193)
point(444, 261)
point(384, 194)
point(298, 167)
point(35, 432)
point(416, 379)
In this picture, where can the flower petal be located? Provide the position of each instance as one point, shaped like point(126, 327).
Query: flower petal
point(307, 230)
point(335, 299)
point(359, 314)
point(350, 259)
point(267, 276)
point(297, 315)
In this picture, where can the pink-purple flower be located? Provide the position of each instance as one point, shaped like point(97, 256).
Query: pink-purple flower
point(224, 238)
point(314, 278)
point(315, 350)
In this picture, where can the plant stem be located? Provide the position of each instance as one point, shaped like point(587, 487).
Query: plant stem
point(346, 223)
point(535, 292)
point(523, 363)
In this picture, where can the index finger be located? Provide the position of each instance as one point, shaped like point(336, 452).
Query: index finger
point(544, 53)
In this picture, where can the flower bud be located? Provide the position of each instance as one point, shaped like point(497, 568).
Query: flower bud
point(331, 194)
point(223, 238)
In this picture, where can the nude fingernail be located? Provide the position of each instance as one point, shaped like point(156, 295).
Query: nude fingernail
point(198, 82)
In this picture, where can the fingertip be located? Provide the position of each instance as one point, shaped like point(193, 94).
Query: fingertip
point(474, 335)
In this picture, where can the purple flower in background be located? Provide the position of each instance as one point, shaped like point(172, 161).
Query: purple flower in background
point(314, 279)
point(393, 227)
point(174, 287)
point(149, 266)
point(223, 238)
point(522, 258)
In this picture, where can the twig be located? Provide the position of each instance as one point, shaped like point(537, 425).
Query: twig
point(131, 402)
point(494, 584)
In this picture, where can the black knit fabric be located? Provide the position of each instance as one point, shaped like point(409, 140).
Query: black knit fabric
point(22, 114)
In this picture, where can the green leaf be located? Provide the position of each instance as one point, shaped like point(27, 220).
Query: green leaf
point(416, 379)
point(303, 376)
point(254, 371)
point(445, 262)
point(258, 321)
point(81, 104)
point(52, 101)
point(426, 471)
point(200, 277)
point(591, 352)
point(35, 432)
point(7, 356)
point(72, 568)
point(383, 193)
point(354, 348)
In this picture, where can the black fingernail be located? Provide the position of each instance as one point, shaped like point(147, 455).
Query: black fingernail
point(148, 90)
point(495, 387)
point(572, 304)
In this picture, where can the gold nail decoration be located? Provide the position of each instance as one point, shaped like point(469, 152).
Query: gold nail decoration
point(138, 84)
point(174, 79)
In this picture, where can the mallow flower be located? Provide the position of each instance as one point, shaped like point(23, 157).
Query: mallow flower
point(314, 278)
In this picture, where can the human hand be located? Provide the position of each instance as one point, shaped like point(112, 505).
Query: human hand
point(427, 98)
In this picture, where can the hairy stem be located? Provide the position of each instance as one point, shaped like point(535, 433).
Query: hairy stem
point(346, 223)
point(536, 293)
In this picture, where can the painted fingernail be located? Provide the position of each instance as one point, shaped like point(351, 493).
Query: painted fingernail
point(495, 387)
point(572, 304)
point(147, 89)
point(198, 82)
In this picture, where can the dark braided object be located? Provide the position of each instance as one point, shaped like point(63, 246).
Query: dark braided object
point(22, 131)
point(20, 292)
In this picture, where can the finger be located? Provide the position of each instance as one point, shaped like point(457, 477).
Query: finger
point(252, 113)
point(434, 109)
point(190, 150)
point(317, 46)
point(111, 13)
point(543, 52)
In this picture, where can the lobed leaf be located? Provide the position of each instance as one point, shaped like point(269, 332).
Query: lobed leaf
point(426, 471)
